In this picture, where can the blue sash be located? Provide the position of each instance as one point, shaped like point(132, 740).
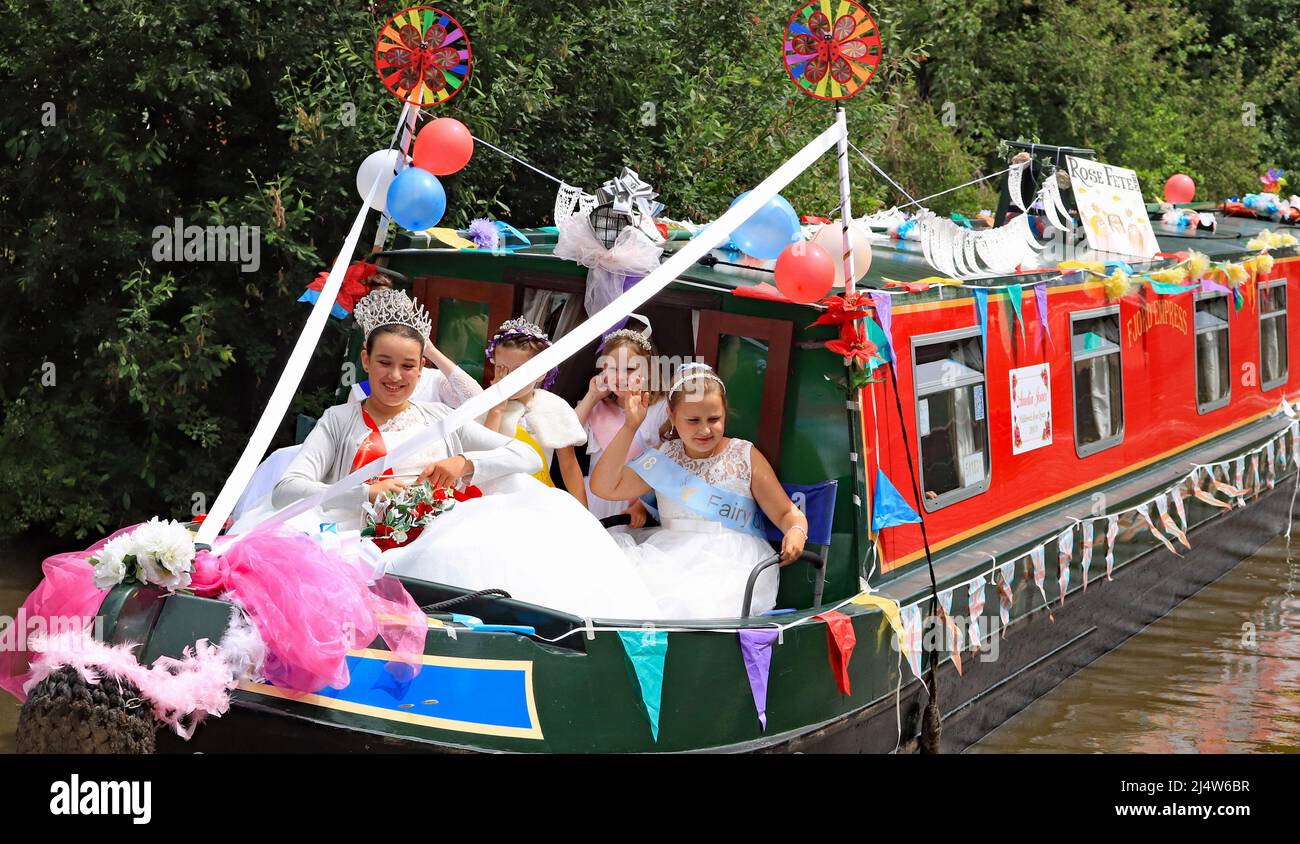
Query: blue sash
point(672, 481)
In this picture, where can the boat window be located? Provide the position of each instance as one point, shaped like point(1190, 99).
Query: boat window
point(464, 314)
point(1098, 380)
point(1213, 367)
point(952, 428)
point(1272, 334)
point(752, 357)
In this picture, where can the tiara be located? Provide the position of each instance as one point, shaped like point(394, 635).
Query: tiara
point(689, 371)
point(641, 338)
point(387, 306)
point(521, 327)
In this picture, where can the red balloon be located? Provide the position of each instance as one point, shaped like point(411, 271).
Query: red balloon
point(443, 146)
point(1180, 188)
point(805, 272)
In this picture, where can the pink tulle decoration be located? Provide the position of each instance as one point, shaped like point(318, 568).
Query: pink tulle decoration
point(311, 606)
point(180, 691)
point(67, 592)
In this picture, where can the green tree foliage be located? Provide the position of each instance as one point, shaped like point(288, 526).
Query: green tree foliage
point(130, 384)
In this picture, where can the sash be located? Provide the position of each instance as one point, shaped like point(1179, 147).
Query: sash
point(523, 436)
point(671, 480)
point(372, 447)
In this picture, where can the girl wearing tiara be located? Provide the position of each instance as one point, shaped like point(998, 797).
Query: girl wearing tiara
point(539, 418)
point(538, 544)
point(710, 488)
point(624, 362)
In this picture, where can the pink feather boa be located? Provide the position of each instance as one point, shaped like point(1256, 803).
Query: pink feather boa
point(181, 691)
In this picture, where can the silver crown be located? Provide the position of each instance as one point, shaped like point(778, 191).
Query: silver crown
point(519, 325)
point(641, 338)
point(387, 306)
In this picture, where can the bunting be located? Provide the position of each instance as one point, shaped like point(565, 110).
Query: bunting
point(1145, 512)
point(1036, 559)
point(756, 650)
point(1040, 299)
point(981, 301)
point(1015, 293)
point(1162, 508)
point(888, 509)
point(975, 604)
point(1008, 572)
point(910, 644)
point(1086, 562)
point(1112, 530)
point(955, 646)
point(840, 641)
point(646, 650)
point(1065, 547)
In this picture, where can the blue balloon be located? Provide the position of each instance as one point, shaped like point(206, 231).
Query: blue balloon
point(416, 199)
point(769, 231)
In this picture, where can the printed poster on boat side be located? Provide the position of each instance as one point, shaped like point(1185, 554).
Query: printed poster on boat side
point(1031, 408)
point(1111, 207)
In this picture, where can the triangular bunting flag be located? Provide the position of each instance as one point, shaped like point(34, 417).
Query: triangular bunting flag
point(756, 650)
point(885, 605)
point(975, 604)
point(955, 646)
point(1038, 561)
point(1162, 507)
point(884, 303)
point(646, 650)
point(888, 509)
point(1065, 544)
point(1040, 299)
point(910, 643)
point(1015, 293)
point(1008, 572)
point(1086, 562)
point(840, 641)
point(1112, 530)
point(1145, 512)
point(982, 316)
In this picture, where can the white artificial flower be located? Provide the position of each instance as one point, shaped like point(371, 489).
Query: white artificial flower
point(151, 571)
point(109, 572)
point(177, 553)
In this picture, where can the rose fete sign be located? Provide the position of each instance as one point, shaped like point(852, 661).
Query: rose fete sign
point(1031, 408)
point(1112, 209)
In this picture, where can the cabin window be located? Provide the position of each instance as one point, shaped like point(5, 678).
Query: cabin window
point(464, 314)
point(752, 357)
point(952, 426)
point(1272, 334)
point(1213, 369)
point(1098, 380)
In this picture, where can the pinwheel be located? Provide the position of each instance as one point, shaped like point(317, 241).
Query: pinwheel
point(832, 61)
point(423, 56)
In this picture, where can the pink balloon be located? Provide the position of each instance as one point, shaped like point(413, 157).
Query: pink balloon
point(805, 272)
point(443, 146)
point(1180, 188)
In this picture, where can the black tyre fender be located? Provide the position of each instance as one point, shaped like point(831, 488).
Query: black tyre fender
point(65, 714)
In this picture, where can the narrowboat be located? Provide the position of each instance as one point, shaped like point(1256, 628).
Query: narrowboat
point(1081, 460)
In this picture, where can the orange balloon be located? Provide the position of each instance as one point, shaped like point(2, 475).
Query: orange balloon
point(805, 272)
point(443, 146)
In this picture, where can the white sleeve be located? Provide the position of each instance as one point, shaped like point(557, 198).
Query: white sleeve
point(455, 389)
point(496, 455)
point(306, 475)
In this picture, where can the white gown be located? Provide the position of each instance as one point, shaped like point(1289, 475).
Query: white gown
point(647, 436)
point(537, 543)
point(695, 567)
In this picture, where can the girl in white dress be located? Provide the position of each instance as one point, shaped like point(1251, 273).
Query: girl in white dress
point(535, 542)
point(535, 415)
point(624, 362)
point(710, 488)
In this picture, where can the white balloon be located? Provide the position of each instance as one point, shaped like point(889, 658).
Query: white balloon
point(831, 239)
point(378, 166)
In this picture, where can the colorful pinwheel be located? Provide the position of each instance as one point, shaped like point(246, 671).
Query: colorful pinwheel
point(832, 61)
point(423, 56)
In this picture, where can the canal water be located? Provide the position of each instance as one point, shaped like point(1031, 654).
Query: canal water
point(1220, 674)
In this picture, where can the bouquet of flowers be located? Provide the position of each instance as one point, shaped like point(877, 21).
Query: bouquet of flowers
point(157, 552)
point(396, 518)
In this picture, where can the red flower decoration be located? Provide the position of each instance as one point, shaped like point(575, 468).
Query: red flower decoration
point(440, 494)
point(857, 349)
point(829, 48)
point(355, 284)
point(421, 59)
point(844, 309)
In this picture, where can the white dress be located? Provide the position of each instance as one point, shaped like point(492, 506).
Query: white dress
point(695, 567)
point(535, 542)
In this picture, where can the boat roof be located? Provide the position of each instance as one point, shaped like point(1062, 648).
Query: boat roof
point(892, 259)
